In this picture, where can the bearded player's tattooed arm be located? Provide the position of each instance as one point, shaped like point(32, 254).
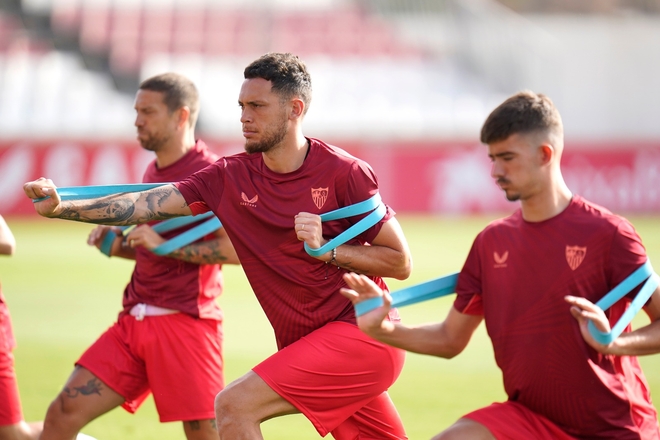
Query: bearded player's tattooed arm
point(216, 251)
point(159, 203)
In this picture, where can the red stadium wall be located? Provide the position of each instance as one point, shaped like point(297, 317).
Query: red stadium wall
point(432, 177)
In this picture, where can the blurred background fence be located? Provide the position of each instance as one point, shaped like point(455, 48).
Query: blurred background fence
point(404, 84)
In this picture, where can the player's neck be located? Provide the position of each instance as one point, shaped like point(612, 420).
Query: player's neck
point(173, 151)
point(546, 204)
point(288, 156)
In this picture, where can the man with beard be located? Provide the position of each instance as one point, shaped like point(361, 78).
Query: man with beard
point(269, 200)
point(168, 338)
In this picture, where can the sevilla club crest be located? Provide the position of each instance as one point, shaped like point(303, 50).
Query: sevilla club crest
point(575, 255)
point(319, 195)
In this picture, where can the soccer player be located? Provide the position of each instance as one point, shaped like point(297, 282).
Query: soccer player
point(519, 276)
point(269, 200)
point(168, 338)
point(12, 424)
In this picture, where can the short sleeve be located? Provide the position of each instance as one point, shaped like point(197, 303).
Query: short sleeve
point(468, 289)
point(626, 255)
point(202, 190)
point(363, 184)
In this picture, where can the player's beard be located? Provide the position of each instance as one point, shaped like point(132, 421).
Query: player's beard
point(271, 138)
point(154, 142)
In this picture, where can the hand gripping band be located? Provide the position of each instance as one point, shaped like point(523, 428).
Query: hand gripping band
point(168, 225)
point(373, 204)
point(644, 272)
point(95, 191)
point(410, 295)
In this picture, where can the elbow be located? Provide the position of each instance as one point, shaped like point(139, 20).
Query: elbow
point(404, 267)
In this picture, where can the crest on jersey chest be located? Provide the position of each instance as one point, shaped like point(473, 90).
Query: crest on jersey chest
point(575, 256)
point(319, 195)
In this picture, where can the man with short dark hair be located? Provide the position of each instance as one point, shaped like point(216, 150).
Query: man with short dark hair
point(168, 338)
point(518, 277)
point(270, 199)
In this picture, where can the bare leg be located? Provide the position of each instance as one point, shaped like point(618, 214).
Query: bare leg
point(465, 429)
point(244, 404)
point(200, 430)
point(83, 399)
point(21, 431)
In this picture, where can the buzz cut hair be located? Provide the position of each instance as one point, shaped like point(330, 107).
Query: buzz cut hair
point(178, 91)
point(525, 112)
point(287, 73)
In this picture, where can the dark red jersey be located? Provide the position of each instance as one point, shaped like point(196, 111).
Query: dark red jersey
point(168, 282)
point(516, 275)
point(298, 293)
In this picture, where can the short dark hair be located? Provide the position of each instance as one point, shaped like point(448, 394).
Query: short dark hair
point(523, 113)
point(287, 73)
point(178, 91)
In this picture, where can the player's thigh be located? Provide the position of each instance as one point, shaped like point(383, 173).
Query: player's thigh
point(10, 404)
point(379, 419)
point(465, 429)
point(331, 373)
point(184, 365)
point(249, 397)
point(84, 397)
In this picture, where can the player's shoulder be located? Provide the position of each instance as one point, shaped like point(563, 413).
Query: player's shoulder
point(328, 156)
point(595, 214)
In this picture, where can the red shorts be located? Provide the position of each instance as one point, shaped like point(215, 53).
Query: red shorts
point(513, 421)
point(176, 357)
point(338, 378)
point(10, 402)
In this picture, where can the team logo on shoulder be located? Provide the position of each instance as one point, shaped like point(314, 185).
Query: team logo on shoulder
point(319, 195)
point(251, 202)
point(500, 260)
point(575, 256)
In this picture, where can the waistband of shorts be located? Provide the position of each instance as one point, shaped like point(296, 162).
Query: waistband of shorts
point(141, 310)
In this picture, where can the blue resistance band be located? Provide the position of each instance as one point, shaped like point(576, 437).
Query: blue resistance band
point(410, 295)
point(373, 204)
point(95, 191)
point(177, 242)
point(644, 272)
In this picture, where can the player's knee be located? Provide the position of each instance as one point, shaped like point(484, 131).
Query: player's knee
point(465, 429)
point(62, 412)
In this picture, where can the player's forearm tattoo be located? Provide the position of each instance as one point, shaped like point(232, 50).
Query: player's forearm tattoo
point(121, 209)
point(207, 252)
point(93, 386)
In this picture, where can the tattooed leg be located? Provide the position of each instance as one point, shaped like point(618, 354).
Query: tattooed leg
point(83, 398)
point(200, 430)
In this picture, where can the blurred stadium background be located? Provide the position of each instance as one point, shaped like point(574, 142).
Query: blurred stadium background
point(405, 84)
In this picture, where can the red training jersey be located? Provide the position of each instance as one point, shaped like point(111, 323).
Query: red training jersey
point(298, 293)
point(516, 275)
point(168, 282)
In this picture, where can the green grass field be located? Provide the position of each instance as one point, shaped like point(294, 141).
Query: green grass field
point(62, 294)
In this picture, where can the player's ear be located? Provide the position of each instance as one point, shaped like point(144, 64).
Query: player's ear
point(297, 108)
point(546, 153)
point(184, 116)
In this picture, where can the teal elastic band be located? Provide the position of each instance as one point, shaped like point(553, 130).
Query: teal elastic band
point(166, 226)
point(188, 237)
point(644, 272)
point(94, 191)
point(435, 288)
point(373, 204)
